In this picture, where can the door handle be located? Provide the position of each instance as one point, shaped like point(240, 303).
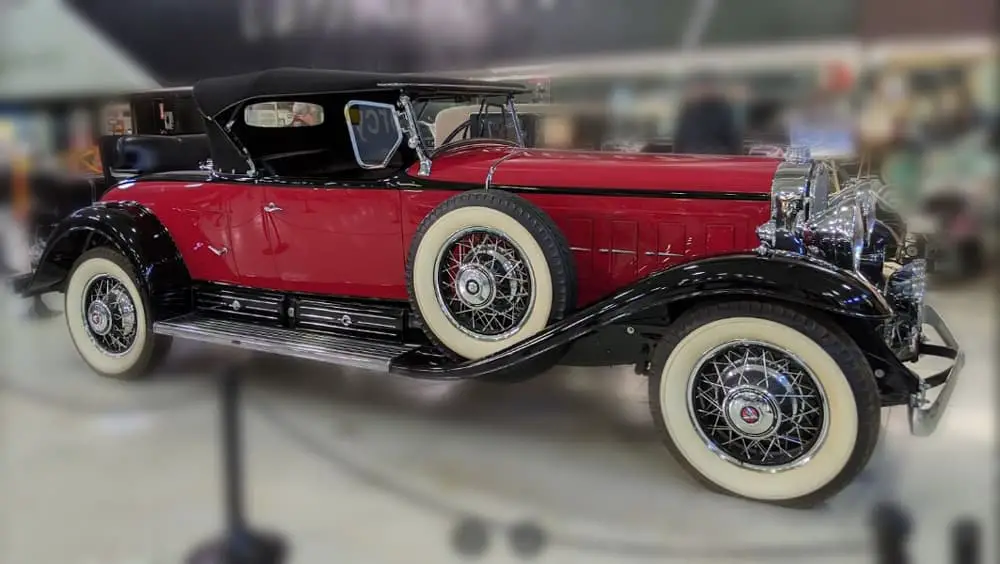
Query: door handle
point(218, 252)
point(271, 208)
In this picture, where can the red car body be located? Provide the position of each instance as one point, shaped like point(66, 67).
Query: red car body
point(481, 258)
point(353, 241)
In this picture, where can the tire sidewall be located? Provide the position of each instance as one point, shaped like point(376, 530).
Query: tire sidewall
point(424, 277)
point(97, 263)
point(822, 473)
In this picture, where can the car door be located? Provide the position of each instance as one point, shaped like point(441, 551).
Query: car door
point(344, 241)
point(252, 237)
point(336, 233)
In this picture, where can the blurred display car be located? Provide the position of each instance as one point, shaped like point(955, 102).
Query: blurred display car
point(950, 191)
point(58, 187)
point(761, 306)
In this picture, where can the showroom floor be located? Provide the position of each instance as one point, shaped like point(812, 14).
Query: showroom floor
point(366, 469)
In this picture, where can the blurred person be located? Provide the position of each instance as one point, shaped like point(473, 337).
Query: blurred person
point(956, 116)
point(707, 121)
point(303, 115)
point(823, 124)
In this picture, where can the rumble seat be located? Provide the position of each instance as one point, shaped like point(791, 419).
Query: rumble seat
point(148, 154)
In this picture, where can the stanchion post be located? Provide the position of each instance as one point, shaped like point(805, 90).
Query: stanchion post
point(892, 529)
point(239, 544)
point(966, 542)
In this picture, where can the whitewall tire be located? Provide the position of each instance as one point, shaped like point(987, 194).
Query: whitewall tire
point(108, 318)
point(488, 269)
point(765, 402)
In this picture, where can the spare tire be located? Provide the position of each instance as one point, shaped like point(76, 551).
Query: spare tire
point(486, 270)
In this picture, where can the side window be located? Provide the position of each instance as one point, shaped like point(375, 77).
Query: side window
point(375, 132)
point(283, 114)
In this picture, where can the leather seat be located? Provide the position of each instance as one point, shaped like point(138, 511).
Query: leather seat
point(148, 154)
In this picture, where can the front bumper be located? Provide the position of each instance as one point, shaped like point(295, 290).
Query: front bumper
point(924, 414)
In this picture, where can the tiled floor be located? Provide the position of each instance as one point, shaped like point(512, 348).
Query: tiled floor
point(365, 469)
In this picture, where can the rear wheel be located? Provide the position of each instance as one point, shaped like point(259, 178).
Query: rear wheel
point(764, 402)
point(108, 318)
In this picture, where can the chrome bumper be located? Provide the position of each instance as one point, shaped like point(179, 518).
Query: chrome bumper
point(924, 414)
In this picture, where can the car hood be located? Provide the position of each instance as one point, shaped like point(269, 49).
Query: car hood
point(511, 166)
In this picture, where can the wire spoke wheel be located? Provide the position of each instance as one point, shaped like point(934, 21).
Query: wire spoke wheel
point(484, 284)
point(109, 314)
point(758, 406)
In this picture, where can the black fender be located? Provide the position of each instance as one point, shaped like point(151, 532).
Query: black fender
point(777, 276)
point(132, 230)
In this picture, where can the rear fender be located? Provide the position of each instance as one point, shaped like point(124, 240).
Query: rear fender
point(133, 231)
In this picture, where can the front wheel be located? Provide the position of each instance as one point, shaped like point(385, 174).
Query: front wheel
point(108, 319)
point(765, 402)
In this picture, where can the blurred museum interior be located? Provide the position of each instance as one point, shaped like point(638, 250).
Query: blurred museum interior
point(566, 467)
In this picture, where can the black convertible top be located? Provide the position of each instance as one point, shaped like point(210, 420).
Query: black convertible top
point(214, 95)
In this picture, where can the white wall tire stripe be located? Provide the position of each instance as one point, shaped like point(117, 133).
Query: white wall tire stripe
point(76, 321)
point(429, 247)
point(828, 460)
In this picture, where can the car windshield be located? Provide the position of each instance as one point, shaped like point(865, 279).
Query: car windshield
point(443, 122)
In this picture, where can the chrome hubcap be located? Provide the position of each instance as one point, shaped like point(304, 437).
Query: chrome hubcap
point(751, 411)
point(110, 315)
point(758, 406)
point(474, 286)
point(99, 318)
point(483, 284)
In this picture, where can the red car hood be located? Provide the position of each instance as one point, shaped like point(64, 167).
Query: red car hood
point(577, 169)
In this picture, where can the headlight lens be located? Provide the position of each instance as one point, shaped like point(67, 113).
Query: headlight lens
point(806, 218)
point(861, 195)
point(838, 233)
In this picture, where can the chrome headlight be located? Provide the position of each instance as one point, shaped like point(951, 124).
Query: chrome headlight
point(799, 191)
point(789, 191)
point(838, 234)
point(862, 195)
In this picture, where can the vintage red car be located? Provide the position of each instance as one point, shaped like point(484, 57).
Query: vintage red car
point(321, 223)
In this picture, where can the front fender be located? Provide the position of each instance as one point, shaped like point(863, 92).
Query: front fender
point(795, 279)
point(132, 230)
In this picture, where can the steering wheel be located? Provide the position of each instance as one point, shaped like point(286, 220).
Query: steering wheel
point(462, 128)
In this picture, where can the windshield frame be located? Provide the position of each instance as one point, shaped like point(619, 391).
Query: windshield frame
point(409, 120)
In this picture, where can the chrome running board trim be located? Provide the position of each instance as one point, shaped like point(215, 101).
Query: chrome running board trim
point(330, 349)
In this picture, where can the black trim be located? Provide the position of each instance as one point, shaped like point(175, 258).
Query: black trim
point(635, 193)
point(797, 280)
point(131, 230)
point(216, 95)
point(405, 182)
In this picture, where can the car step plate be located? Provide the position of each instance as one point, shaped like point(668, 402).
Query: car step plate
point(352, 352)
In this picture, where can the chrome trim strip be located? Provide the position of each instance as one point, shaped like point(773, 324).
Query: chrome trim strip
point(496, 165)
point(924, 416)
point(349, 352)
point(662, 254)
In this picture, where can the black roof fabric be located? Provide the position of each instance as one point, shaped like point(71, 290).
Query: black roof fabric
point(213, 95)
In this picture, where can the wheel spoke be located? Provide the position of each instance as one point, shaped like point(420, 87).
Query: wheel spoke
point(758, 405)
point(484, 283)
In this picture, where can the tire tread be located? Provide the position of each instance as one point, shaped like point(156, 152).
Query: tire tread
point(837, 343)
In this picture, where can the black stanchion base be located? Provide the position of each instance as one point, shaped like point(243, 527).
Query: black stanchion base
point(38, 310)
point(252, 547)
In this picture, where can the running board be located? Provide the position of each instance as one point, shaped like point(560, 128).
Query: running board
point(365, 354)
